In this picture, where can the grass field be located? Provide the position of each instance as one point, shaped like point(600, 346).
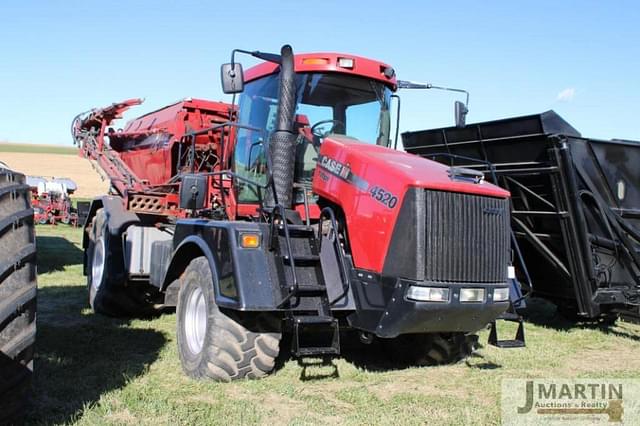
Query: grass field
point(38, 149)
point(96, 370)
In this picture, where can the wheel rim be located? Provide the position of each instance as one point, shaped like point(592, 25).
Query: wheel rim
point(195, 321)
point(97, 265)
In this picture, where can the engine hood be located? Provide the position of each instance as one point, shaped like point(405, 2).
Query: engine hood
point(370, 183)
point(411, 170)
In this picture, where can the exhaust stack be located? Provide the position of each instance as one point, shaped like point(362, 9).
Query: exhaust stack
point(282, 141)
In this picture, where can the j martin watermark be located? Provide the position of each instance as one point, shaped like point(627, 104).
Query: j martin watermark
point(569, 402)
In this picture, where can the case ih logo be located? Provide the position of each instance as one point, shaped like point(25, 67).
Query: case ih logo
point(343, 172)
point(580, 401)
point(335, 167)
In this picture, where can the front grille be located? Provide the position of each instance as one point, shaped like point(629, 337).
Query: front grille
point(467, 238)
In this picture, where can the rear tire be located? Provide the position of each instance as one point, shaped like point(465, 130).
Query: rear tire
point(217, 345)
point(106, 276)
point(431, 349)
point(17, 295)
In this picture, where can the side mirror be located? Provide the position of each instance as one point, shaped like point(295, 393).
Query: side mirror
point(461, 111)
point(193, 191)
point(232, 78)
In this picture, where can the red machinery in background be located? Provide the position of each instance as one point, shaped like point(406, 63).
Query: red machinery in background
point(50, 200)
point(145, 159)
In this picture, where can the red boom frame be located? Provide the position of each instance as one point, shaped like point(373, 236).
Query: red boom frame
point(144, 159)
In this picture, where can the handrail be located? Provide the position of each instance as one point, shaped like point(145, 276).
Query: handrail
point(346, 282)
point(279, 210)
point(262, 141)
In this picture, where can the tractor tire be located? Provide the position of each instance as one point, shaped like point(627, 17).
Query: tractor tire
point(106, 277)
point(17, 295)
point(217, 345)
point(431, 349)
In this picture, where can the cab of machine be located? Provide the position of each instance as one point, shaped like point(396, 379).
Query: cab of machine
point(336, 93)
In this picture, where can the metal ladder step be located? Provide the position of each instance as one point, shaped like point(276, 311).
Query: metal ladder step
point(317, 333)
point(303, 289)
point(297, 230)
point(313, 319)
point(317, 351)
point(321, 335)
point(517, 342)
point(302, 259)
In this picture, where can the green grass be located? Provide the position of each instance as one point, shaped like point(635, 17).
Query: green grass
point(38, 149)
point(96, 370)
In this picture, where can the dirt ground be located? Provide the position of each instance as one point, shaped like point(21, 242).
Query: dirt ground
point(59, 165)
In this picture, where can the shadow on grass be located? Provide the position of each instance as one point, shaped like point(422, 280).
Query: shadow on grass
point(545, 314)
point(81, 356)
point(476, 361)
point(374, 357)
point(54, 253)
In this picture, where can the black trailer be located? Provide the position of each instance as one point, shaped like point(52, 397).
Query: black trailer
point(575, 204)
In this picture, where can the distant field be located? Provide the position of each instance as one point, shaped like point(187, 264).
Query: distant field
point(50, 165)
point(38, 149)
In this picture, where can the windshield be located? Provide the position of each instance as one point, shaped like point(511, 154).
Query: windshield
point(334, 103)
point(358, 107)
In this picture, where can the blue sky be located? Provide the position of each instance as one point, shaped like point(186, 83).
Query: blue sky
point(580, 58)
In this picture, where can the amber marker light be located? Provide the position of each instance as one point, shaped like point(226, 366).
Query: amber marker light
point(315, 61)
point(248, 240)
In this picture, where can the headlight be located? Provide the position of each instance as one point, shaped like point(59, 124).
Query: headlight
point(472, 295)
point(428, 294)
point(501, 294)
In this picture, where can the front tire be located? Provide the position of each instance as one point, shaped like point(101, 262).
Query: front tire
point(217, 345)
point(106, 277)
point(431, 349)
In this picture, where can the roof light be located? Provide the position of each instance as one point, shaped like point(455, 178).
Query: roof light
point(428, 294)
point(315, 61)
point(345, 63)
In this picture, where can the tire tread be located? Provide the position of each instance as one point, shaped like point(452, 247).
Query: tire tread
point(234, 348)
point(17, 295)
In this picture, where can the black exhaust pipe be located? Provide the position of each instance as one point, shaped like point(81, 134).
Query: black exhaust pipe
point(282, 142)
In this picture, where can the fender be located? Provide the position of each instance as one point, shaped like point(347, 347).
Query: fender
point(118, 219)
point(242, 278)
point(188, 249)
